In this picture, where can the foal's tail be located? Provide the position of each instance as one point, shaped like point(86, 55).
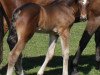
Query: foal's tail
point(24, 7)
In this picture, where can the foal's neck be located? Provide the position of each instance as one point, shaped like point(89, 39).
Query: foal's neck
point(74, 6)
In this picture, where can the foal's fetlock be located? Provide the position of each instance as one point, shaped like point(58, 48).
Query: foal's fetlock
point(40, 73)
point(98, 62)
point(75, 72)
point(20, 72)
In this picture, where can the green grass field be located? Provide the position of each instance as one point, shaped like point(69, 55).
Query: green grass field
point(34, 54)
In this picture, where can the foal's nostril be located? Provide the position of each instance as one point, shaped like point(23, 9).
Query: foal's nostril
point(83, 18)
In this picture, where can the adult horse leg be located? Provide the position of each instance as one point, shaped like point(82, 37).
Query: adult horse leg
point(89, 31)
point(82, 44)
point(50, 53)
point(64, 37)
point(1, 35)
point(97, 40)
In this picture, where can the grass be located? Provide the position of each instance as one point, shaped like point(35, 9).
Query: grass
point(34, 54)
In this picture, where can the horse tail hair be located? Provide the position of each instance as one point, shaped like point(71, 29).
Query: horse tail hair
point(5, 16)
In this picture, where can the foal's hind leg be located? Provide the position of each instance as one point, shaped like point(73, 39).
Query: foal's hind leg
point(97, 40)
point(24, 33)
point(50, 53)
point(12, 40)
point(64, 37)
point(14, 54)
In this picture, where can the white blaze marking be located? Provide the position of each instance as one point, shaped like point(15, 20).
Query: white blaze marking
point(84, 2)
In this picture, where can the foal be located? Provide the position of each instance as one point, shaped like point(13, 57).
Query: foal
point(6, 9)
point(55, 19)
point(93, 26)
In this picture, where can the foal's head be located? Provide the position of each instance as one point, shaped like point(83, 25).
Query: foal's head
point(83, 9)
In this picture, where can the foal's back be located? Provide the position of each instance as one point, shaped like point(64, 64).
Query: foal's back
point(54, 15)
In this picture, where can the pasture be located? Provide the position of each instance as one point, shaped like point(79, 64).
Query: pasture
point(34, 54)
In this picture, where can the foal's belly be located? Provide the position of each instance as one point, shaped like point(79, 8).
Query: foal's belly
point(40, 30)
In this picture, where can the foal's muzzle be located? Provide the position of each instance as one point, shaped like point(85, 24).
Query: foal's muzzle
point(83, 18)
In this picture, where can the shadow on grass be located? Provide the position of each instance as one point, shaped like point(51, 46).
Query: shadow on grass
point(31, 62)
point(57, 71)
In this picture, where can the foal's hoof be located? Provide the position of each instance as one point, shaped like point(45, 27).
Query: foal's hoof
point(22, 73)
point(39, 74)
point(98, 66)
point(75, 73)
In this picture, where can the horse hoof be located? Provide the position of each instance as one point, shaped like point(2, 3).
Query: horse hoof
point(98, 66)
point(39, 74)
point(75, 73)
point(21, 73)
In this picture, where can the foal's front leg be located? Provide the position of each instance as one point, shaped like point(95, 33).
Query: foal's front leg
point(50, 53)
point(64, 37)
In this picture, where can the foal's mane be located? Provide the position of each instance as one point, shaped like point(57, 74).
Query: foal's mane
point(56, 2)
point(70, 2)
